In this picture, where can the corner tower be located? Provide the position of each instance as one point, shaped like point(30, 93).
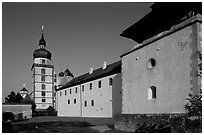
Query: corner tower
point(42, 76)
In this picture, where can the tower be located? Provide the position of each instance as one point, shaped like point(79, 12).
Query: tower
point(65, 77)
point(42, 76)
point(24, 92)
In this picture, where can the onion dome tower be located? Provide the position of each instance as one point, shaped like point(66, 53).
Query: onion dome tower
point(42, 76)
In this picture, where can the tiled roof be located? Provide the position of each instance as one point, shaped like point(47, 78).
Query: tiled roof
point(24, 89)
point(68, 73)
point(98, 73)
point(196, 18)
point(163, 16)
point(63, 81)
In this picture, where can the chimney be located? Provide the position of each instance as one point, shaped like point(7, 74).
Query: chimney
point(91, 71)
point(104, 65)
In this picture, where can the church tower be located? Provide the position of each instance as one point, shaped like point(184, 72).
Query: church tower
point(42, 77)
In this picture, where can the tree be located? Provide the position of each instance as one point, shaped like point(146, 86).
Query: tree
point(19, 98)
point(194, 105)
point(11, 98)
point(51, 111)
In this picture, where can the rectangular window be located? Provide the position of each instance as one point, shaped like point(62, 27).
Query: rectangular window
point(60, 93)
point(92, 102)
point(99, 84)
point(43, 86)
point(76, 89)
point(90, 86)
point(70, 91)
point(68, 101)
point(55, 87)
point(43, 71)
point(110, 81)
point(43, 61)
point(82, 87)
point(43, 93)
point(55, 80)
point(42, 78)
point(43, 100)
point(74, 101)
point(65, 92)
point(85, 103)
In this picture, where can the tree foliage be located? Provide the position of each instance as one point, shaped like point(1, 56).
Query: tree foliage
point(17, 98)
point(194, 105)
point(13, 98)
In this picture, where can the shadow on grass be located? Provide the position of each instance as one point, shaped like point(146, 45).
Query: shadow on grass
point(57, 126)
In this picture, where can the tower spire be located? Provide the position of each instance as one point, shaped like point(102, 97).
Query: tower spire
point(42, 41)
point(42, 28)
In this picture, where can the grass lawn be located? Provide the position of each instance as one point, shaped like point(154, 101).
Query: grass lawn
point(64, 125)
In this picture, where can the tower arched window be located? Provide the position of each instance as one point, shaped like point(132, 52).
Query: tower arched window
point(42, 71)
point(43, 86)
point(43, 78)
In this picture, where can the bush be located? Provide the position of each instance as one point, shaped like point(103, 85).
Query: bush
point(51, 111)
point(8, 116)
point(194, 105)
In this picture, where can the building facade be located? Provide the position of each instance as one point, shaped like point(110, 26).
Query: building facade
point(42, 77)
point(160, 72)
point(94, 94)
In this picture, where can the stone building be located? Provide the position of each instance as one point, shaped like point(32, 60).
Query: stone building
point(42, 77)
point(161, 70)
point(93, 94)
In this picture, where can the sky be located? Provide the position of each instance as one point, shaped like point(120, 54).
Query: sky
point(79, 36)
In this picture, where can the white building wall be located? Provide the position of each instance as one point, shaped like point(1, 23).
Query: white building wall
point(102, 98)
point(47, 78)
point(71, 109)
point(47, 94)
point(39, 61)
point(48, 86)
point(48, 71)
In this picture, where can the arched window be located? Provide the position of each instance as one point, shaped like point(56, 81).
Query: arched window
point(43, 86)
point(151, 63)
point(152, 93)
point(42, 78)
